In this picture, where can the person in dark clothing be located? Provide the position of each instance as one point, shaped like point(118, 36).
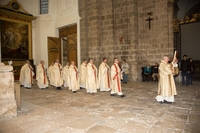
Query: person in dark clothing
point(184, 69)
point(147, 73)
point(155, 72)
point(192, 70)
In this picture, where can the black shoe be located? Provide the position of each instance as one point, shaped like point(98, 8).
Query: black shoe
point(167, 102)
point(161, 102)
point(112, 95)
point(81, 88)
point(28, 88)
point(126, 82)
point(74, 91)
point(59, 88)
point(122, 96)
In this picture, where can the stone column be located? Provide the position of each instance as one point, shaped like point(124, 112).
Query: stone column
point(8, 106)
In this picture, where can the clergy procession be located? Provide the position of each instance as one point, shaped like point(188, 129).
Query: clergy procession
point(88, 77)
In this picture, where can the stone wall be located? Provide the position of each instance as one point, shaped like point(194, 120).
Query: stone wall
point(118, 28)
point(8, 106)
point(157, 41)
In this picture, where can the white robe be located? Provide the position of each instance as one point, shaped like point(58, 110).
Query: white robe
point(22, 75)
point(41, 77)
point(91, 79)
point(166, 85)
point(66, 76)
point(116, 79)
point(28, 80)
point(57, 75)
point(83, 72)
point(104, 77)
point(73, 78)
point(50, 74)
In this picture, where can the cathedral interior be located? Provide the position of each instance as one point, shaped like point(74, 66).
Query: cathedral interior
point(138, 31)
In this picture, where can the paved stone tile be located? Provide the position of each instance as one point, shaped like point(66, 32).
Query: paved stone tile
point(81, 124)
point(65, 120)
point(53, 111)
point(8, 127)
point(135, 127)
point(157, 129)
point(171, 123)
point(101, 129)
point(193, 118)
point(192, 128)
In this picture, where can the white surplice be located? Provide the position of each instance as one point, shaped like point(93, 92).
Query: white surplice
point(41, 77)
point(104, 77)
point(73, 78)
point(22, 76)
point(28, 74)
point(82, 76)
point(91, 79)
point(57, 77)
point(66, 76)
point(116, 80)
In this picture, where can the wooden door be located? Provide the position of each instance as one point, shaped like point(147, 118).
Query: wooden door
point(72, 48)
point(54, 49)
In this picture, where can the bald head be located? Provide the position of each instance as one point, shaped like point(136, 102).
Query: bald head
point(28, 62)
point(165, 59)
point(42, 62)
point(72, 63)
point(57, 61)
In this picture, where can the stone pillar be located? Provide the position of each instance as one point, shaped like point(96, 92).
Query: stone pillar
point(8, 106)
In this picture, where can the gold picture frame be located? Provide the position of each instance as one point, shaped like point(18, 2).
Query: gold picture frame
point(13, 20)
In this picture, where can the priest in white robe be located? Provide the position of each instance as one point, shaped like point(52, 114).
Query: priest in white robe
point(91, 77)
point(166, 85)
point(41, 76)
point(66, 75)
point(50, 73)
point(104, 76)
point(57, 75)
point(82, 76)
point(116, 79)
point(28, 75)
point(22, 75)
point(73, 78)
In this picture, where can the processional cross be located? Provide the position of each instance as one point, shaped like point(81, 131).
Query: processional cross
point(149, 19)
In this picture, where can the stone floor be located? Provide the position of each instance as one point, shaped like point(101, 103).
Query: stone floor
point(54, 111)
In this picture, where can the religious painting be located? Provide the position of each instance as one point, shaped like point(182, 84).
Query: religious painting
point(14, 40)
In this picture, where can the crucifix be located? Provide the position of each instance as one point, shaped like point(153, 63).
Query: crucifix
point(149, 19)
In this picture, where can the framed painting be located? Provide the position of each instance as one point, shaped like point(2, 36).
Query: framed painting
point(15, 40)
point(15, 32)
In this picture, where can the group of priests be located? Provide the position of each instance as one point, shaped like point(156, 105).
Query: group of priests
point(88, 76)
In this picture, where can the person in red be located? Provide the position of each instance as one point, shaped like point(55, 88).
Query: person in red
point(28, 73)
point(91, 77)
point(41, 76)
point(73, 77)
point(116, 79)
point(57, 75)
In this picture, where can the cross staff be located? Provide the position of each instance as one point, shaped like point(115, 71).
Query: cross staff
point(149, 19)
